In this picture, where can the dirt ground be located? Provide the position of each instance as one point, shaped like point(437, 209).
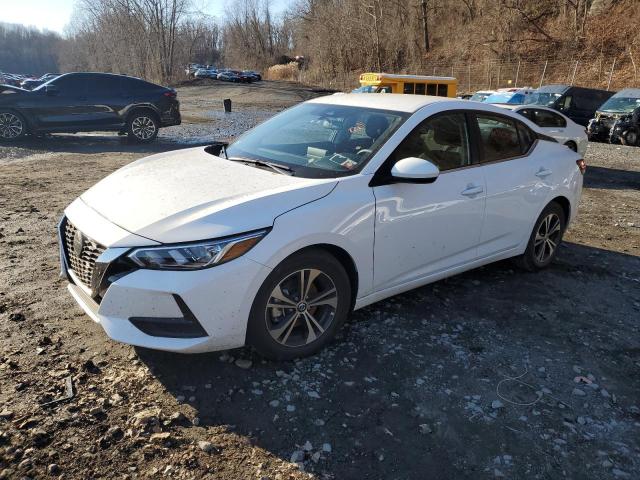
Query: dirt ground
point(495, 373)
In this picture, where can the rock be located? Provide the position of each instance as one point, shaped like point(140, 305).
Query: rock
point(607, 464)
point(307, 447)
point(207, 447)
point(274, 403)
point(315, 457)
point(313, 394)
point(177, 417)
point(424, 429)
point(17, 317)
point(244, 363)
point(6, 414)
point(326, 447)
point(604, 393)
point(53, 469)
point(6, 474)
point(318, 422)
point(90, 367)
point(297, 456)
point(620, 474)
point(578, 392)
point(160, 437)
point(497, 404)
point(291, 408)
point(24, 464)
point(146, 417)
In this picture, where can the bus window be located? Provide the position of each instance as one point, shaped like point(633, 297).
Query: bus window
point(419, 88)
point(442, 90)
point(408, 87)
point(431, 88)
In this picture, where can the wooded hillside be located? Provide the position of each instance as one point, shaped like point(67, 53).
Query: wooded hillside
point(484, 43)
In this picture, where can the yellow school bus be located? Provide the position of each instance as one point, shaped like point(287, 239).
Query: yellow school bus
point(412, 84)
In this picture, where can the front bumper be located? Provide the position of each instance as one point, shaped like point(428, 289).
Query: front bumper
point(217, 299)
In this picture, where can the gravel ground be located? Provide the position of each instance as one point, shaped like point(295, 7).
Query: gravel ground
point(495, 373)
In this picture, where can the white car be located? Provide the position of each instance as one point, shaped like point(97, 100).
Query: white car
point(327, 207)
point(556, 125)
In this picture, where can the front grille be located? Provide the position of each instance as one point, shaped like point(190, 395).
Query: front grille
point(82, 253)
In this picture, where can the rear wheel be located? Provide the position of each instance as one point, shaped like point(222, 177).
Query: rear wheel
point(12, 126)
point(142, 126)
point(545, 239)
point(300, 306)
point(630, 138)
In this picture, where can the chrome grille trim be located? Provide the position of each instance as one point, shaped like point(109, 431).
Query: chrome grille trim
point(81, 260)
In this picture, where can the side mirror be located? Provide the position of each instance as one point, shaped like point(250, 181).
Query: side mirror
point(414, 170)
point(51, 89)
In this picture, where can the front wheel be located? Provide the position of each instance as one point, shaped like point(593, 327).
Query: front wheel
point(544, 240)
point(12, 126)
point(300, 306)
point(142, 127)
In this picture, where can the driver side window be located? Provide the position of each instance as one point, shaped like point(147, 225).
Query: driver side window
point(442, 139)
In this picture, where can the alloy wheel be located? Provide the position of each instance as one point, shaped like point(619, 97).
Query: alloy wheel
point(547, 238)
point(301, 307)
point(143, 127)
point(10, 126)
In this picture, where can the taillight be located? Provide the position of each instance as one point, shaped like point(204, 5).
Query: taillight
point(170, 94)
point(581, 165)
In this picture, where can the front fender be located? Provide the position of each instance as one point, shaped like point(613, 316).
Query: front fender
point(344, 219)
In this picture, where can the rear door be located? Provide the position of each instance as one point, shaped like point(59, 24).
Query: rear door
point(104, 101)
point(424, 229)
point(517, 181)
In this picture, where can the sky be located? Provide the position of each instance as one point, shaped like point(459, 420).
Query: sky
point(55, 14)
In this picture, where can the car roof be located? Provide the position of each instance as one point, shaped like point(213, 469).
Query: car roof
point(385, 101)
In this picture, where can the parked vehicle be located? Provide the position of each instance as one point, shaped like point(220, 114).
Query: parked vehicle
point(509, 96)
point(269, 241)
point(206, 73)
point(228, 76)
point(577, 103)
point(255, 76)
point(87, 102)
point(410, 84)
point(618, 110)
point(481, 95)
point(556, 125)
point(192, 68)
point(464, 96)
point(31, 83)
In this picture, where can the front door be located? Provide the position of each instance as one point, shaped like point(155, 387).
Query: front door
point(423, 229)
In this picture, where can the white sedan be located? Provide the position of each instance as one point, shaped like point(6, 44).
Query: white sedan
point(329, 206)
point(556, 125)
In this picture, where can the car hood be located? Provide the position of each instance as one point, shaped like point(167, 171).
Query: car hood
point(189, 195)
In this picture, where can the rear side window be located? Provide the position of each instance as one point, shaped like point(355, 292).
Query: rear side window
point(134, 85)
point(442, 90)
point(103, 85)
point(442, 139)
point(500, 138)
point(408, 87)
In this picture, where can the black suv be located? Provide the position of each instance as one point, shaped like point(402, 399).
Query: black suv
point(88, 102)
point(577, 103)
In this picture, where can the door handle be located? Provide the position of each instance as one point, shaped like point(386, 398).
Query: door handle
point(543, 172)
point(472, 190)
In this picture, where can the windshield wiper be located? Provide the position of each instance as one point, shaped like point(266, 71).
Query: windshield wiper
point(281, 169)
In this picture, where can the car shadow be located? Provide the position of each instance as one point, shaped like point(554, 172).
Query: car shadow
point(407, 387)
point(611, 178)
point(104, 143)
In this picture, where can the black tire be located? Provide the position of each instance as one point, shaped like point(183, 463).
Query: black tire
point(572, 146)
point(532, 260)
point(293, 329)
point(143, 126)
point(630, 138)
point(13, 126)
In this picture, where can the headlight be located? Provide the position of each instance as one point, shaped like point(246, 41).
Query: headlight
point(197, 255)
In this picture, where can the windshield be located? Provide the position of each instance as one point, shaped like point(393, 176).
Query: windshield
point(620, 104)
point(319, 141)
point(479, 96)
point(542, 98)
point(506, 97)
